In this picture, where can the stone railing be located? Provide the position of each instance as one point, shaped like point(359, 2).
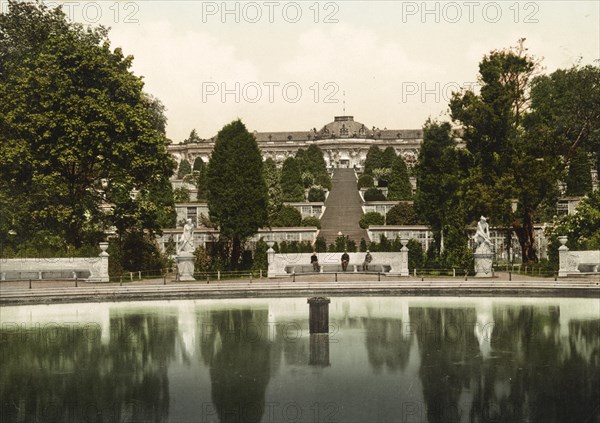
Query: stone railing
point(576, 262)
point(92, 269)
point(286, 264)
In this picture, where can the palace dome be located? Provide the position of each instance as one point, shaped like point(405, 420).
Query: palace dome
point(345, 127)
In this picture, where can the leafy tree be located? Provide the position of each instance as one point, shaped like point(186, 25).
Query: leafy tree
point(371, 218)
point(437, 200)
point(362, 245)
point(365, 181)
point(237, 193)
point(201, 177)
point(382, 174)
point(193, 138)
point(373, 160)
point(565, 115)
point(311, 221)
point(198, 164)
point(320, 245)
point(582, 228)
point(312, 163)
point(579, 178)
point(272, 176)
point(184, 169)
point(160, 195)
point(522, 132)
point(260, 261)
point(75, 123)
point(307, 179)
point(399, 186)
point(181, 195)
point(316, 194)
point(373, 194)
point(402, 214)
point(387, 158)
point(287, 216)
point(415, 254)
point(291, 181)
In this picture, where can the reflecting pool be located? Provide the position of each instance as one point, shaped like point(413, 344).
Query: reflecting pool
point(385, 359)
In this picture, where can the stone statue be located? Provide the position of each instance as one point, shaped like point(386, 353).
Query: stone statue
point(186, 243)
point(484, 255)
point(482, 236)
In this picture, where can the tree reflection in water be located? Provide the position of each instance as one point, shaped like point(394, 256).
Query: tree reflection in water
point(65, 373)
point(535, 363)
point(238, 354)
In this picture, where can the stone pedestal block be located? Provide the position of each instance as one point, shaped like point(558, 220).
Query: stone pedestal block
point(185, 266)
point(484, 259)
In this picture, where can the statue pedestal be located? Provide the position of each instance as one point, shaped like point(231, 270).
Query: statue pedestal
point(484, 258)
point(185, 266)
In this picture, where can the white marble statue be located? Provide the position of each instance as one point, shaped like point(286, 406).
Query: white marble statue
point(186, 242)
point(482, 236)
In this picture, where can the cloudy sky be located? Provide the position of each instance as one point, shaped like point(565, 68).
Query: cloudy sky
point(291, 65)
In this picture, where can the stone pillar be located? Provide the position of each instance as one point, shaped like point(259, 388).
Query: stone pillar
point(404, 257)
point(271, 260)
point(185, 266)
point(318, 314)
point(104, 262)
point(484, 258)
point(563, 262)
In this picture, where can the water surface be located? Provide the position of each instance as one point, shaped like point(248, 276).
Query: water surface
point(388, 359)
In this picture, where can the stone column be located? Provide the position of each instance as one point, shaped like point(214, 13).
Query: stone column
point(563, 253)
point(271, 260)
point(104, 262)
point(404, 257)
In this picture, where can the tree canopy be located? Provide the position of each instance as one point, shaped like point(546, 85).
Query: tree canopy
point(77, 131)
point(291, 181)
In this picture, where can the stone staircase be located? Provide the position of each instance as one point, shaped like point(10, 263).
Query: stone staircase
point(343, 209)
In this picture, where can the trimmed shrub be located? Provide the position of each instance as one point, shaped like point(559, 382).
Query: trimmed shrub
point(316, 194)
point(402, 214)
point(311, 221)
point(371, 218)
point(373, 194)
point(365, 181)
point(287, 216)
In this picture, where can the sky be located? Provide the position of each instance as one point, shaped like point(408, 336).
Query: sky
point(293, 66)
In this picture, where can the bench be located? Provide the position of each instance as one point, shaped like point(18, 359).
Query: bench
point(337, 268)
point(45, 274)
point(588, 267)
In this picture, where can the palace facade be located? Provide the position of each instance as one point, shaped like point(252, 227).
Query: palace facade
point(344, 143)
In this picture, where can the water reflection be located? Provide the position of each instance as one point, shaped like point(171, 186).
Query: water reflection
point(385, 359)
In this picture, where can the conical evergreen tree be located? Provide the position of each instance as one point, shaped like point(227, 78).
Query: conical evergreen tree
point(237, 194)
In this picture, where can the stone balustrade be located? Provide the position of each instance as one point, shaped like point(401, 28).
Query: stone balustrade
point(92, 269)
point(576, 262)
point(394, 263)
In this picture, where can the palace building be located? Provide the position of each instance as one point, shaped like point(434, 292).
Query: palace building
point(344, 143)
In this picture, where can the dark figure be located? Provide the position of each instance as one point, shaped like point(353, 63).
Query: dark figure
point(368, 259)
point(345, 260)
point(314, 260)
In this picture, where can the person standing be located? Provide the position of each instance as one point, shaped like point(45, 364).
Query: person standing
point(368, 260)
point(345, 260)
point(314, 260)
